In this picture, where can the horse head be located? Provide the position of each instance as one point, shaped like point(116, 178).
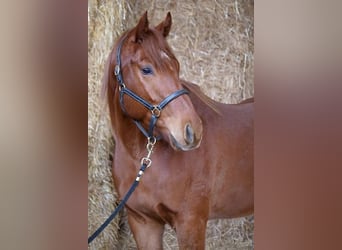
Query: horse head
point(150, 70)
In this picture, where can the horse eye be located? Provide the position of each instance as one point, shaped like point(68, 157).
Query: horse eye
point(147, 71)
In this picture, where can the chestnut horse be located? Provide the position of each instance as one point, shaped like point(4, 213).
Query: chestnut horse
point(203, 158)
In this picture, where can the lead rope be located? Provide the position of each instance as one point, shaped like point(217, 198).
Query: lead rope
point(145, 163)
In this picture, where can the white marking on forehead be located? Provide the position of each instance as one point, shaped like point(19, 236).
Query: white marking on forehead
point(164, 55)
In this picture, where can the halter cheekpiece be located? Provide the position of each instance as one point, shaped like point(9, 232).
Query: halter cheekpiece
point(155, 109)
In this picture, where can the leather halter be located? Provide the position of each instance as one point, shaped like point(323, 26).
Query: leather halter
point(155, 109)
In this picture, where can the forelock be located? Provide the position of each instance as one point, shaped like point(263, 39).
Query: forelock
point(159, 52)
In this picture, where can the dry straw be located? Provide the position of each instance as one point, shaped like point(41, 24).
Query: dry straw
point(214, 43)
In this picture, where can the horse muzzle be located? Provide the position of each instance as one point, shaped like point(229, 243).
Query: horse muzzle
point(191, 138)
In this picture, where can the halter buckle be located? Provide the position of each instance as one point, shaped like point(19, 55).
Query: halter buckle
point(156, 111)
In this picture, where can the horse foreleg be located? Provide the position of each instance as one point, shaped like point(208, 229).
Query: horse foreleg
point(148, 233)
point(190, 231)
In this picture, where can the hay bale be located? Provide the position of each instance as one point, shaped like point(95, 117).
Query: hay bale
point(103, 28)
point(214, 43)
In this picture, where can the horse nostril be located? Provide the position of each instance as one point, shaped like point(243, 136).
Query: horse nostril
point(189, 134)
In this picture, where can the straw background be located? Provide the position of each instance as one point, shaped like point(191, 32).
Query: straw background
point(214, 43)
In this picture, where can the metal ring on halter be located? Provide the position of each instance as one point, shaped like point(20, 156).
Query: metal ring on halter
point(151, 140)
point(122, 86)
point(156, 111)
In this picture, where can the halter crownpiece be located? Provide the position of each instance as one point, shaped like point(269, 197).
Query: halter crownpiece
point(155, 109)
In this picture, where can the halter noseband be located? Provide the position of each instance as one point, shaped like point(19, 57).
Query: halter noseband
point(155, 109)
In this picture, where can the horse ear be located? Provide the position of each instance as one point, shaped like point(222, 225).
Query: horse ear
point(165, 26)
point(141, 28)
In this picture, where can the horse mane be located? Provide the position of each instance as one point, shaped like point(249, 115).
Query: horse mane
point(195, 89)
point(105, 78)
